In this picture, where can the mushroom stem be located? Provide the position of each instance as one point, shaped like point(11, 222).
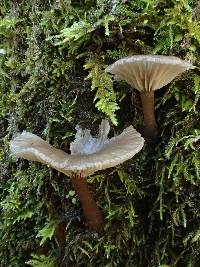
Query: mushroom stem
point(151, 128)
point(91, 211)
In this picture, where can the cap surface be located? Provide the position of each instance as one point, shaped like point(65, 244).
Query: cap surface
point(148, 72)
point(87, 159)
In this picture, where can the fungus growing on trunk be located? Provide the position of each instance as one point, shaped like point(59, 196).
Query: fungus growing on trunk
point(148, 73)
point(88, 155)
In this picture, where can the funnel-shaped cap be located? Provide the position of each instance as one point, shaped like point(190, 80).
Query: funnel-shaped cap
point(88, 154)
point(148, 72)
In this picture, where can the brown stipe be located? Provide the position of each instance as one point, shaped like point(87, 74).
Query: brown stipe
point(91, 211)
point(150, 124)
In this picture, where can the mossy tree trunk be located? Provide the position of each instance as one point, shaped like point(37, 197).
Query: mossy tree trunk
point(52, 60)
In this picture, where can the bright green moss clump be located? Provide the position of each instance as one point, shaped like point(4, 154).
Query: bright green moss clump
point(52, 60)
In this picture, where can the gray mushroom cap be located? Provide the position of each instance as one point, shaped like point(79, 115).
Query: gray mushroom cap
point(88, 154)
point(148, 72)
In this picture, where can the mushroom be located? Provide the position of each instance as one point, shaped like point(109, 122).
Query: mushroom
point(88, 155)
point(148, 73)
point(2, 51)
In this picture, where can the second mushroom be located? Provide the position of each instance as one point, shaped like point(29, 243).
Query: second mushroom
point(148, 73)
point(88, 155)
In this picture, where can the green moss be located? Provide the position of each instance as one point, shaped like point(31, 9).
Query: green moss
point(52, 78)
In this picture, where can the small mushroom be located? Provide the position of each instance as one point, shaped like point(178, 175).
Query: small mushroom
point(2, 51)
point(148, 73)
point(88, 155)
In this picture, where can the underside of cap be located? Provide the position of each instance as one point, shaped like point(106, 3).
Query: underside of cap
point(148, 72)
point(111, 153)
point(114, 151)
